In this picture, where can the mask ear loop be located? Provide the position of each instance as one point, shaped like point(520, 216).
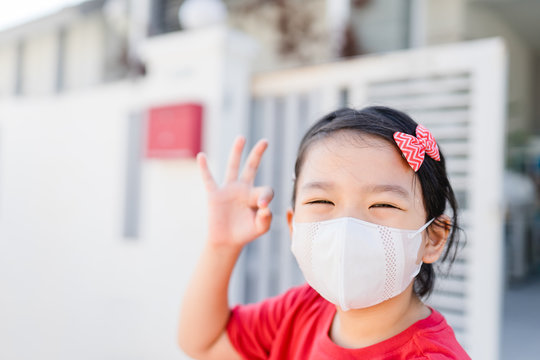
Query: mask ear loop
point(410, 236)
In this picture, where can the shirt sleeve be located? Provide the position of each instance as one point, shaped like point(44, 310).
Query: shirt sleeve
point(252, 328)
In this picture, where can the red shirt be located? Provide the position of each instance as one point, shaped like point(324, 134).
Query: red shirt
point(295, 325)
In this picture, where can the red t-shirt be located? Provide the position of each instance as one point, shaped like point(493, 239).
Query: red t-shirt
point(295, 325)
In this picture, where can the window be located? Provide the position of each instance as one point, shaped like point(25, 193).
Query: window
point(164, 17)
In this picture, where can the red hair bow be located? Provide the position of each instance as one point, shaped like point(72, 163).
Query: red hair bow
point(415, 148)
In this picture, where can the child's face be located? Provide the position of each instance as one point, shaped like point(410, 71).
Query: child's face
point(365, 177)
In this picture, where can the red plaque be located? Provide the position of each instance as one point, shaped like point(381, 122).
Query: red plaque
point(174, 131)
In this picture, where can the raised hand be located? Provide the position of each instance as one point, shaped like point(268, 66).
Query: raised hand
point(237, 211)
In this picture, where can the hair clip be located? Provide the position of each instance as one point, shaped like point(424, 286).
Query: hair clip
point(415, 148)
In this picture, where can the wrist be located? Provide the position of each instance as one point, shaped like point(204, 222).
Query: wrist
point(223, 249)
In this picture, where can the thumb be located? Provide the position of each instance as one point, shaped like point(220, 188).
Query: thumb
point(263, 219)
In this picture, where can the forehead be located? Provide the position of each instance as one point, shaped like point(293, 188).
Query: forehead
point(350, 159)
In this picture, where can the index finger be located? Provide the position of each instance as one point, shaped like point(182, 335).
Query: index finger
point(253, 161)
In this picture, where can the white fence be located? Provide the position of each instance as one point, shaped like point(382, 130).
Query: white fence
point(458, 92)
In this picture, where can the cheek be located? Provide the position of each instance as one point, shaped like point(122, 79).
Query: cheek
point(419, 209)
point(418, 196)
point(422, 248)
point(302, 216)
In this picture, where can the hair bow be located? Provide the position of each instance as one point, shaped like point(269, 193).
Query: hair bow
point(415, 148)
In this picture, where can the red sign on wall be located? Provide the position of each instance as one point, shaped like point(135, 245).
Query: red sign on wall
point(174, 131)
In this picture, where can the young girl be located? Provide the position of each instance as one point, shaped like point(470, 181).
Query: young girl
point(367, 223)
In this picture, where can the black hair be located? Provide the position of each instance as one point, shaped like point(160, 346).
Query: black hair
point(437, 192)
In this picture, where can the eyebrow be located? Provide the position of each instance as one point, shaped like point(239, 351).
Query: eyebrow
point(396, 189)
point(379, 188)
point(323, 185)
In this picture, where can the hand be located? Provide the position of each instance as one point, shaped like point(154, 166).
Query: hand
point(238, 212)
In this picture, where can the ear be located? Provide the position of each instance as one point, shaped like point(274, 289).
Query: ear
point(290, 214)
point(436, 237)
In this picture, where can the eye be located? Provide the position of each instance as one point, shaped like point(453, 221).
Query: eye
point(384, 205)
point(320, 202)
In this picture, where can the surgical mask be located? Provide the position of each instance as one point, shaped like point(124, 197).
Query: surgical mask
point(356, 264)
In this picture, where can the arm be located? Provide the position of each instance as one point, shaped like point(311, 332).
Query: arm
point(238, 213)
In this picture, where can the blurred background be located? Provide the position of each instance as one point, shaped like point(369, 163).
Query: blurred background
point(104, 104)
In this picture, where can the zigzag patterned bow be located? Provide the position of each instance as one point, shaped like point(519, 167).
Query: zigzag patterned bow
point(415, 148)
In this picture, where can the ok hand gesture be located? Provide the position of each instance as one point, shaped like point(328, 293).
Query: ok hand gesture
point(238, 211)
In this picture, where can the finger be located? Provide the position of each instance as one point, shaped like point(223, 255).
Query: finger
point(263, 219)
point(260, 197)
point(207, 177)
point(234, 159)
point(253, 161)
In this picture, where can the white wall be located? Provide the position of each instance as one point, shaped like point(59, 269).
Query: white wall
point(7, 69)
point(83, 62)
point(483, 21)
point(381, 25)
point(40, 64)
point(445, 21)
point(85, 58)
point(71, 286)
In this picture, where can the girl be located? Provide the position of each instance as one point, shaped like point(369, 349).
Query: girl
point(367, 223)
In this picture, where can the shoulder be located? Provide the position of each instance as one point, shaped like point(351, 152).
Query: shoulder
point(294, 297)
point(299, 295)
point(256, 330)
point(427, 339)
point(435, 339)
point(278, 310)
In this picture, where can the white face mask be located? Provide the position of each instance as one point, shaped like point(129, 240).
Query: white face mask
point(356, 264)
